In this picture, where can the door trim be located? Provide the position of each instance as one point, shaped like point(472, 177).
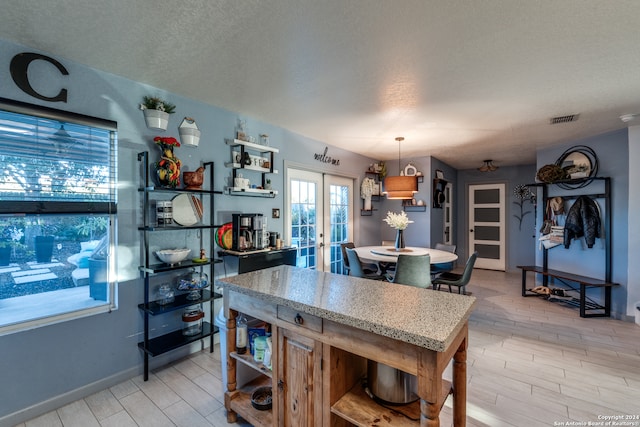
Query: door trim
point(488, 263)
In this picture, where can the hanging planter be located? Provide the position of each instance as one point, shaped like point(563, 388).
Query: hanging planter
point(156, 112)
point(157, 120)
point(189, 133)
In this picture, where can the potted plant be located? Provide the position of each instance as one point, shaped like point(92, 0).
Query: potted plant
point(10, 241)
point(44, 248)
point(156, 112)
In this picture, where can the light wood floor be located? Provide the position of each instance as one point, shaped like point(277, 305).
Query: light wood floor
point(530, 363)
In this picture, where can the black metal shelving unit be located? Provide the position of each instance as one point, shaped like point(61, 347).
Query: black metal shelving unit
point(154, 346)
point(605, 195)
point(588, 307)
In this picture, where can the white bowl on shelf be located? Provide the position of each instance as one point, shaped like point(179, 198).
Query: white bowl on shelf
point(173, 256)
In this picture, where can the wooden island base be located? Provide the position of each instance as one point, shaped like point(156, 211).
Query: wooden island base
point(319, 365)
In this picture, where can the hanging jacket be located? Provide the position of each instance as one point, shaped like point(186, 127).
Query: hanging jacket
point(583, 219)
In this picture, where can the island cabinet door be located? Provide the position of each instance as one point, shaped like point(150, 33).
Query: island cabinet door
point(299, 380)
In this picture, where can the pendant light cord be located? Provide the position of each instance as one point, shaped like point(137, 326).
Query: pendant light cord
point(399, 139)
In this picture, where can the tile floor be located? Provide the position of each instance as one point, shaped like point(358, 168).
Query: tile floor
point(530, 363)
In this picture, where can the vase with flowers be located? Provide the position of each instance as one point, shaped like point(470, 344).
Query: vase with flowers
point(399, 222)
point(168, 167)
point(156, 112)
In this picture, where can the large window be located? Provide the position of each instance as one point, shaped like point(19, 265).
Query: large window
point(57, 215)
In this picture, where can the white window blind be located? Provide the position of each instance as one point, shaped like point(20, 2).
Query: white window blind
point(53, 165)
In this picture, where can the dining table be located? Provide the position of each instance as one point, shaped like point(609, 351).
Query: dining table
point(390, 254)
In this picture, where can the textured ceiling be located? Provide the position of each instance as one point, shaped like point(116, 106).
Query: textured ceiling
point(461, 80)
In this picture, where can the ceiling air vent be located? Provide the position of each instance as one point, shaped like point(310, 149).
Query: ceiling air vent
point(563, 119)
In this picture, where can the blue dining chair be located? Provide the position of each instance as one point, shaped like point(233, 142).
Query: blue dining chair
point(413, 270)
point(356, 269)
point(368, 268)
point(442, 267)
point(454, 279)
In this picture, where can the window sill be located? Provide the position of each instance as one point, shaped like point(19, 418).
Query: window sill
point(32, 311)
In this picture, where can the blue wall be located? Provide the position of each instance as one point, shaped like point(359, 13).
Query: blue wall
point(59, 363)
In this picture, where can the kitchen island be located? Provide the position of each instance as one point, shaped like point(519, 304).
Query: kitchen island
point(324, 329)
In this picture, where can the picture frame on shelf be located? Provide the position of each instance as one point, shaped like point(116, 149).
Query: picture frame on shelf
point(439, 174)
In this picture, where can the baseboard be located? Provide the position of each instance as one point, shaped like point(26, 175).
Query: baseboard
point(61, 400)
point(66, 398)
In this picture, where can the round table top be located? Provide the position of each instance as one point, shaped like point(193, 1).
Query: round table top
point(389, 253)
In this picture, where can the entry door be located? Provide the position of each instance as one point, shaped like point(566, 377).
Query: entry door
point(320, 217)
point(487, 225)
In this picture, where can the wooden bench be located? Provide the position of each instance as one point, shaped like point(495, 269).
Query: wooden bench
point(594, 310)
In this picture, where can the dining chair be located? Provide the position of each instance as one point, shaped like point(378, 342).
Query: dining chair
point(356, 269)
point(454, 279)
point(442, 267)
point(369, 268)
point(413, 270)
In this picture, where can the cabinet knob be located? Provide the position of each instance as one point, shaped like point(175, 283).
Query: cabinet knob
point(299, 320)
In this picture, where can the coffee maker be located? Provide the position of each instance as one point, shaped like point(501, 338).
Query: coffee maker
point(248, 232)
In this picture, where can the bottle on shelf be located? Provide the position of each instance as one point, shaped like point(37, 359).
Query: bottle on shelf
point(241, 334)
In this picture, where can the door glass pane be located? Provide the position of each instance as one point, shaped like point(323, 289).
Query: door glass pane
point(303, 222)
point(487, 233)
point(339, 214)
point(488, 251)
point(486, 214)
point(482, 197)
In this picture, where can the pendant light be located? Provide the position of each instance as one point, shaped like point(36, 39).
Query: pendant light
point(62, 141)
point(400, 187)
point(488, 166)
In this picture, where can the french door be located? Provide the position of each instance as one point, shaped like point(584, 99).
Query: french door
point(487, 225)
point(320, 217)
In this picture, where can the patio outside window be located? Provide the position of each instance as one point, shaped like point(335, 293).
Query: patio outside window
point(57, 215)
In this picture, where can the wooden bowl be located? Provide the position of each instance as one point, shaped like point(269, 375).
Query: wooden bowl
point(193, 180)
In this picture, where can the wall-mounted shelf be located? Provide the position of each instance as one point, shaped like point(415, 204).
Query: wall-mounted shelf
point(415, 208)
point(259, 158)
point(364, 212)
point(252, 145)
point(251, 192)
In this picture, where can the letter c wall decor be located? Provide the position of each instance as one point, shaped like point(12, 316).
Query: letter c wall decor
point(19, 73)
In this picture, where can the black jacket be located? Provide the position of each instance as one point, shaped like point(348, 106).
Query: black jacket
point(583, 219)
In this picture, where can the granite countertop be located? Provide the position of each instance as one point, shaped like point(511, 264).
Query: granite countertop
point(424, 317)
